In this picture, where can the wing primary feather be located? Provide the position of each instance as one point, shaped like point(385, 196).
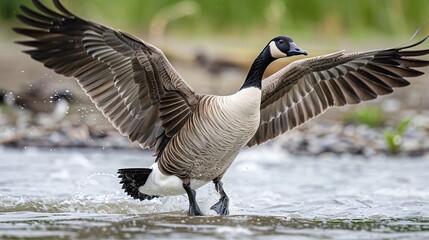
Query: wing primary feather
point(364, 92)
point(46, 10)
point(378, 86)
point(32, 22)
point(34, 14)
point(391, 81)
point(349, 93)
point(410, 62)
point(60, 7)
point(414, 53)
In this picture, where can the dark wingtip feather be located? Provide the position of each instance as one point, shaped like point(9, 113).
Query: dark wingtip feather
point(34, 14)
point(33, 22)
point(30, 32)
point(413, 53)
point(60, 7)
point(414, 44)
point(46, 10)
point(28, 43)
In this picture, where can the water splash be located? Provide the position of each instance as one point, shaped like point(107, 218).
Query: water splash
point(87, 179)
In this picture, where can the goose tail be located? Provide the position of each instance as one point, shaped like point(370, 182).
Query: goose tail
point(132, 179)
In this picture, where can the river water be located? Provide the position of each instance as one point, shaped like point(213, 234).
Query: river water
point(74, 193)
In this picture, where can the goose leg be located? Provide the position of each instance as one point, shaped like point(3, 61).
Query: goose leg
point(222, 206)
point(194, 210)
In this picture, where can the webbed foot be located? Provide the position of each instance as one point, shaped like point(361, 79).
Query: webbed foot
point(222, 206)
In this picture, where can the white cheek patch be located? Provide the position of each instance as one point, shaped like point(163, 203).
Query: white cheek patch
point(275, 51)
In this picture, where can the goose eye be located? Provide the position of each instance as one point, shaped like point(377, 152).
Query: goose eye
point(281, 42)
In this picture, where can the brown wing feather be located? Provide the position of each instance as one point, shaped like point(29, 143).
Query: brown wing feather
point(128, 80)
point(307, 88)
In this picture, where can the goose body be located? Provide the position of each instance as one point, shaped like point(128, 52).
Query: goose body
point(217, 146)
point(204, 144)
point(196, 137)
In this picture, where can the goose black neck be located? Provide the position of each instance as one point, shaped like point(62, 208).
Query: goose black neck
point(254, 77)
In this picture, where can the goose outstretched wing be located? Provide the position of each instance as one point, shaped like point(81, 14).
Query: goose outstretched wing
point(307, 88)
point(130, 81)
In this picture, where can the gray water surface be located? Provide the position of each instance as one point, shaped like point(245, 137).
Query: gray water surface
point(75, 194)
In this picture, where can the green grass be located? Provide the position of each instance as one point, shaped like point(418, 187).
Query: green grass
point(393, 137)
point(325, 18)
point(373, 117)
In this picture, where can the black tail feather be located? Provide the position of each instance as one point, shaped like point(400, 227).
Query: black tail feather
point(132, 179)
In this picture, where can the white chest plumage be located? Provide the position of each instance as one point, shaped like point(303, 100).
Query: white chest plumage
point(219, 128)
point(243, 109)
point(243, 114)
point(233, 121)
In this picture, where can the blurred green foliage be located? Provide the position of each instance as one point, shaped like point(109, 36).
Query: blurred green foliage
point(393, 137)
point(373, 117)
point(325, 18)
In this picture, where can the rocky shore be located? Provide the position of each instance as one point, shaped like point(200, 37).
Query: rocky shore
point(328, 136)
point(320, 136)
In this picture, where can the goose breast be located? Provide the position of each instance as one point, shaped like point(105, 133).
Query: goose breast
point(209, 142)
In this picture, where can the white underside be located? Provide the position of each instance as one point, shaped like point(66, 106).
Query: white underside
point(166, 185)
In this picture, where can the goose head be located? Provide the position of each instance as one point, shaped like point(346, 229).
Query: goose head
point(278, 47)
point(283, 46)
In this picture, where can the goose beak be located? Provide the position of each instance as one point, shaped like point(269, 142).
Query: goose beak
point(295, 50)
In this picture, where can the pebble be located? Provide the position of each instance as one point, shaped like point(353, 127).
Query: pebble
point(317, 138)
point(329, 136)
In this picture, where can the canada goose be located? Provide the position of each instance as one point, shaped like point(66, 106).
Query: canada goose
point(44, 108)
point(196, 137)
point(215, 66)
